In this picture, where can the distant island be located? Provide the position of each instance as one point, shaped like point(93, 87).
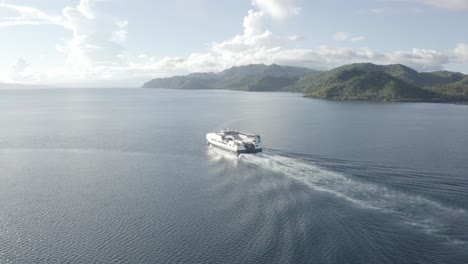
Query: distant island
point(359, 81)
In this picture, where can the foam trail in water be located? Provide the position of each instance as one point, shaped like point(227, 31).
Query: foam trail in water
point(430, 216)
point(216, 154)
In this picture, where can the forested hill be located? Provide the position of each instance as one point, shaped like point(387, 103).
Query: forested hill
point(253, 77)
point(359, 81)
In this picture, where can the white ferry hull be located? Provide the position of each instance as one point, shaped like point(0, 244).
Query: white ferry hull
point(236, 146)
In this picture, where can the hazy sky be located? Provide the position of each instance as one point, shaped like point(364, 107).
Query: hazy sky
point(123, 42)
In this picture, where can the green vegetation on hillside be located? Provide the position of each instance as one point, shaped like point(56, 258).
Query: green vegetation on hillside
point(254, 77)
point(458, 88)
point(371, 86)
point(359, 81)
point(271, 83)
point(367, 81)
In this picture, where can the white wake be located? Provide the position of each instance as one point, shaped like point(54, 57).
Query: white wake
point(431, 216)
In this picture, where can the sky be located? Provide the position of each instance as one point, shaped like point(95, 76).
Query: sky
point(123, 43)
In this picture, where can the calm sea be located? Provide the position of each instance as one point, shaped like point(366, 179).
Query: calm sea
point(125, 176)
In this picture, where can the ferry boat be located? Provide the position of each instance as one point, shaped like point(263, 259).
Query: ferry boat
point(235, 141)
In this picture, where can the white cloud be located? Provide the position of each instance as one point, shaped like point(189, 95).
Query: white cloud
point(378, 10)
point(395, 10)
point(278, 9)
point(22, 72)
point(119, 36)
point(97, 39)
point(341, 36)
point(449, 4)
point(461, 52)
point(122, 23)
point(95, 51)
point(254, 23)
point(357, 39)
point(421, 59)
point(346, 36)
point(27, 16)
point(296, 37)
point(142, 56)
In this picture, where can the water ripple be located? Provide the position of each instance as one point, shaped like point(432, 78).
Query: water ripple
point(421, 212)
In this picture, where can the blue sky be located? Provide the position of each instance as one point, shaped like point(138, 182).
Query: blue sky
point(122, 43)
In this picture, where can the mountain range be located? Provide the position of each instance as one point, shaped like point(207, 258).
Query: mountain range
point(359, 81)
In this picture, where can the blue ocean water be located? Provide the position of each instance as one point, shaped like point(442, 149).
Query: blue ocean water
point(125, 176)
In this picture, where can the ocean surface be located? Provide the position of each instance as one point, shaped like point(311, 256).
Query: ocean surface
point(125, 176)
